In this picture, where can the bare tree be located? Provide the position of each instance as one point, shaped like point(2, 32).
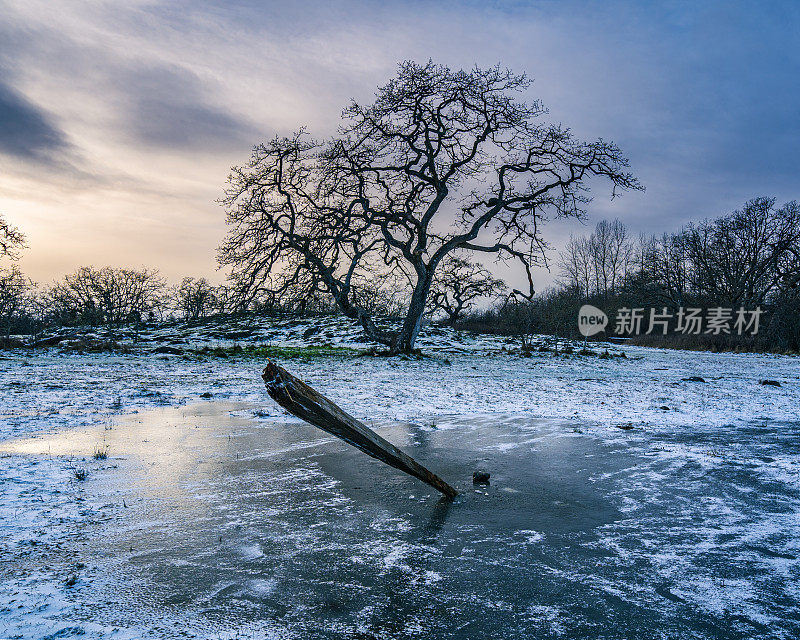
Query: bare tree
point(597, 264)
point(667, 267)
point(618, 253)
point(737, 259)
point(576, 266)
point(458, 284)
point(382, 293)
point(441, 161)
point(196, 298)
point(11, 239)
point(108, 295)
point(14, 287)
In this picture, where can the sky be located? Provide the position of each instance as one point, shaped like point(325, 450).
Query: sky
point(119, 122)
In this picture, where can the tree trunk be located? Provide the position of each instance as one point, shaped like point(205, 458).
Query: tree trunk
point(454, 314)
point(404, 342)
point(372, 330)
point(342, 300)
point(304, 402)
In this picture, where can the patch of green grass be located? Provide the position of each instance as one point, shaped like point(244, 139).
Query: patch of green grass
point(606, 355)
point(270, 351)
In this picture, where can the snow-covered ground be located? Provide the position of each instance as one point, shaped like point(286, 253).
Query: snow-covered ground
point(465, 373)
point(673, 505)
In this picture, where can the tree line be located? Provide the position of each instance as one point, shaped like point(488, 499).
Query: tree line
point(115, 296)
point(748, 259)
point(107, 296)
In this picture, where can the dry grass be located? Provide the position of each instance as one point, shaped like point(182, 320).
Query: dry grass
point(100, 452)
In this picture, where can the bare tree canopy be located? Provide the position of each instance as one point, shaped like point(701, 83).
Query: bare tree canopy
point(458, 283)
point(11, 239)
point(196, 298)
point(14, 288)
point(597, 264)
point(741, 258)
point(441, 161)
point(107, 296)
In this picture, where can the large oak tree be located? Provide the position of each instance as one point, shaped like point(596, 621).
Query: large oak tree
point(440, 161)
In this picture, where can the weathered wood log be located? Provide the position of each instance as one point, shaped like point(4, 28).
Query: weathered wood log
point(300, 400)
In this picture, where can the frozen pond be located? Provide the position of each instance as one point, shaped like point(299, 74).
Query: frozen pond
point(211, 521)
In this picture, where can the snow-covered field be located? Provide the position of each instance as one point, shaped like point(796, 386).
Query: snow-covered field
point(626, 500)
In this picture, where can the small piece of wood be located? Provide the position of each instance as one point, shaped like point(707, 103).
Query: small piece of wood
point(300, 400)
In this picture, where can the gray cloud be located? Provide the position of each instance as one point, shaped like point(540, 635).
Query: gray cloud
point(26, 131)
point(167, 106)
point(160, 98)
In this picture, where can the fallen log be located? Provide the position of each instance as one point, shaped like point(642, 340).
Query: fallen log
point(300, 400)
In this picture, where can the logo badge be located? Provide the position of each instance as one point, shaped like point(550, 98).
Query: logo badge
point(591, 320)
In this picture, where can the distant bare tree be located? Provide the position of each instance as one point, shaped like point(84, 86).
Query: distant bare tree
point(196, 298)
point(384, 191)
point(615, 256)
point(575, 262)
point(597, 264)
point(224, 301)
point(382, 293)
point(14, 287)
point(458, 284)
point(737, 259)
point(11, 239)
point(108, 295)
point(788, 267)
point(659, 272)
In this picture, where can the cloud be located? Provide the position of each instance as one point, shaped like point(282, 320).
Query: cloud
point(155, 100)
point(26, 131)
point(166, 106)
